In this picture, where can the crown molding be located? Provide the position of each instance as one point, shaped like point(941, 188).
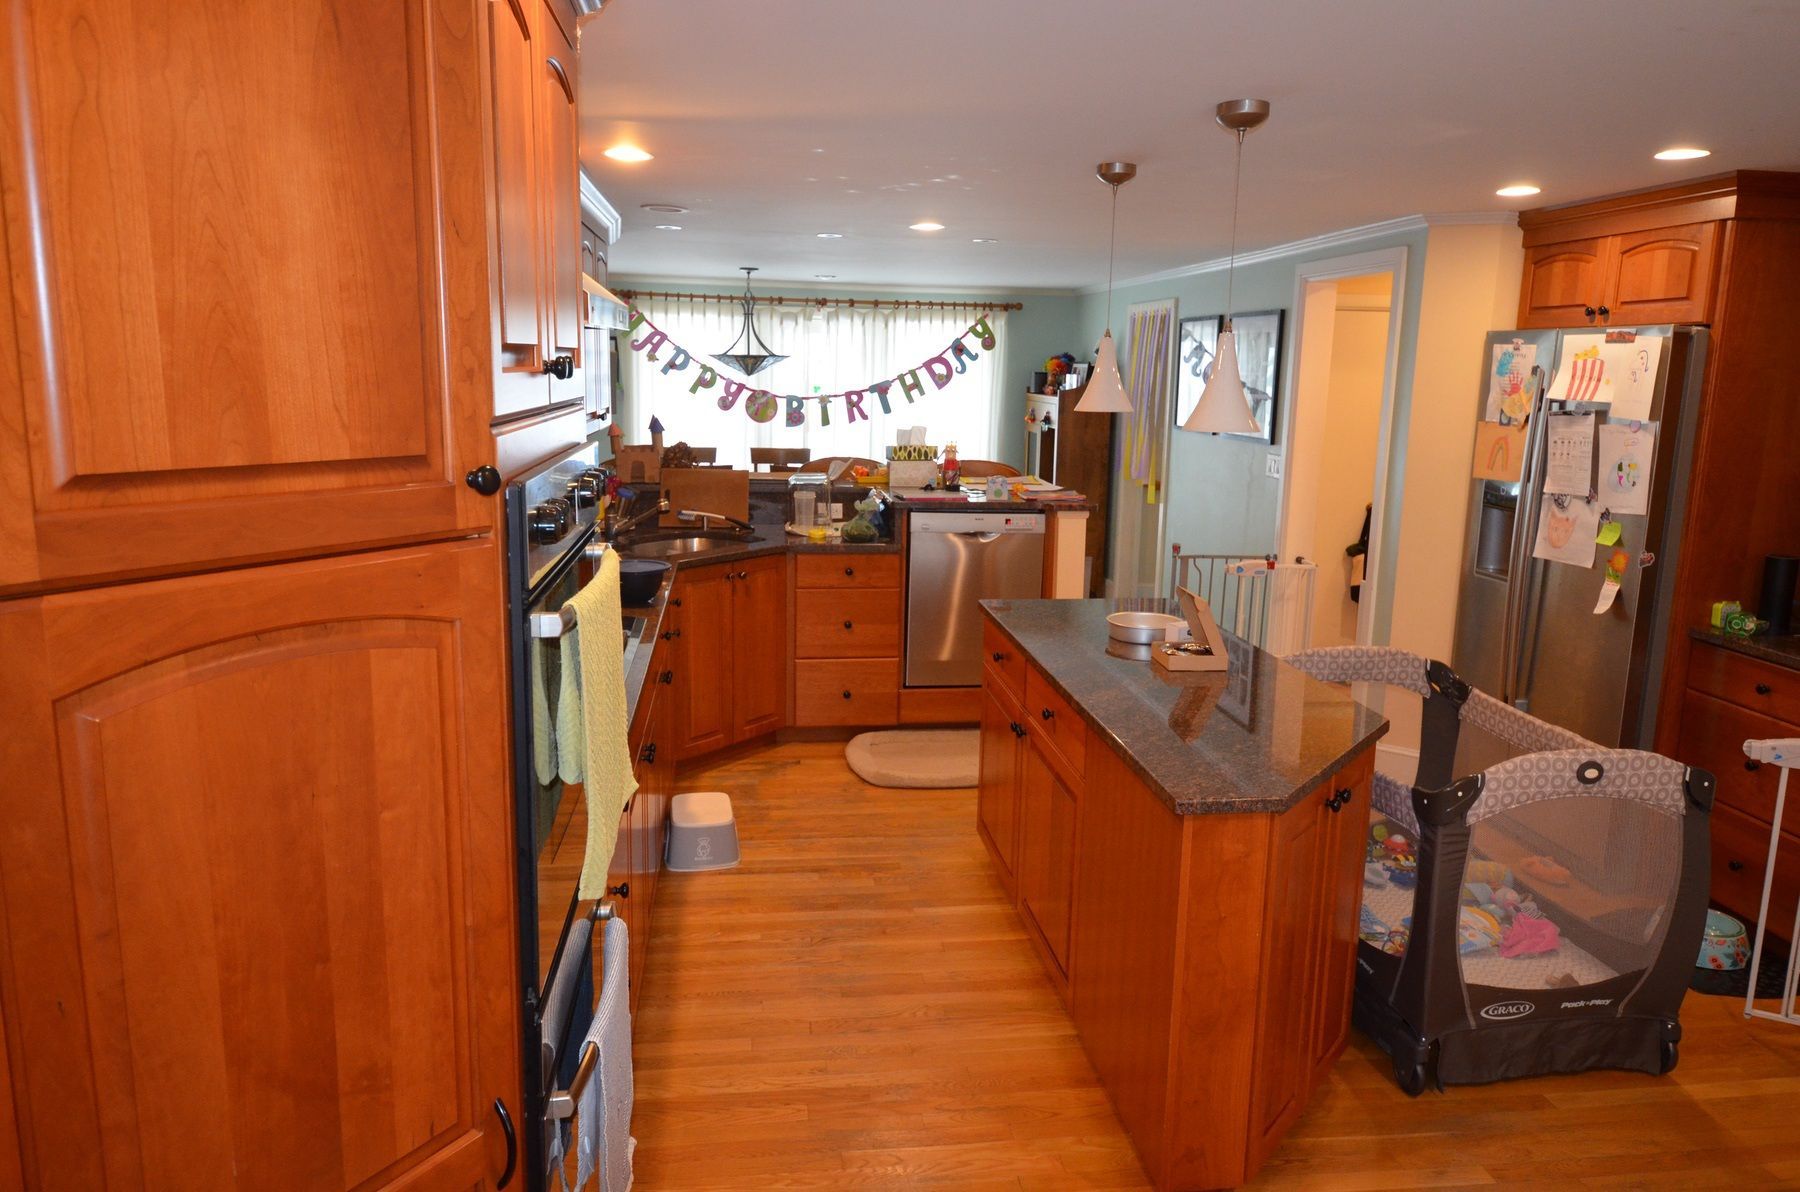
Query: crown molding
point(1453, 218)
point(799, 287)
point(595, 202)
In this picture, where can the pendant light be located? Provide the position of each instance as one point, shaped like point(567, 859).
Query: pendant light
point(748, 353)
point(1105, 393)
point(1224, 407)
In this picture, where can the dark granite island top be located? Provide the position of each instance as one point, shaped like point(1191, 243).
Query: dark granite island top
point(1254, 739)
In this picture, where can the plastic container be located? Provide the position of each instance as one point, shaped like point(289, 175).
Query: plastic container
point(702, 832)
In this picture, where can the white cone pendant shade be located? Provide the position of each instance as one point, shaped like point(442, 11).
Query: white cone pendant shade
point(1105, 394)
point(1224, 407)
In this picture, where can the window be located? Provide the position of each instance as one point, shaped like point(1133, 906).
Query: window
point(829, 350)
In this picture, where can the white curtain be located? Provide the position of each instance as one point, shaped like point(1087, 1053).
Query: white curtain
point(829, 350)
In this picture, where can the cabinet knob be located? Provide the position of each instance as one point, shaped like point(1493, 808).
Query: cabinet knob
point(1752, 765)
point(850, 571)
point(846, 695)
point(846, 624)
point(743, 575)
point(1048, 714)
point(622, 890)
point(1763, 689)
point(1605, 314)
point(1340, 797)
point(667, 676)
point(1590, 312)
point(484, 480)
point(1735, 866)
point(998, 656)
point(675, 601)
point(560, 367)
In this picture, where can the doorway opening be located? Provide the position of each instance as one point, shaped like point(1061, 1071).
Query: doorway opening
point(1346, 349)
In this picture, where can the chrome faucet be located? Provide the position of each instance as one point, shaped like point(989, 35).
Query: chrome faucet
point(624, 525)
point(706, 520)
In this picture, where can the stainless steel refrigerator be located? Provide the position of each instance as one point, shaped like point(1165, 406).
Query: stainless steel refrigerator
point(1526, 630)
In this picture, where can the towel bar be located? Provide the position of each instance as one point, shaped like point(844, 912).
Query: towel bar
point(561, 1105)
point(563, 619)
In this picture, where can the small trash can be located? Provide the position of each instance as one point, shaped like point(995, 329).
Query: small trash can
point(702, 832)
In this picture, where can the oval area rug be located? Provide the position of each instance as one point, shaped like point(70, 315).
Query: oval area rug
point(925, 758)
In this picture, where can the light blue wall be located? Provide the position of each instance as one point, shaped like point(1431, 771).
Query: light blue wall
point(1045, 325)
point(1220, 499)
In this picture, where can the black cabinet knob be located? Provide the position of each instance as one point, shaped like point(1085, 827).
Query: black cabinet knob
point(560, 367)
point(622, 890)
point(675, 601)
point(1048, 714)
point(647, 753)
point(1752, 765)
point(1735, 866)
point(484, 480)
point(1605, 314)
point(1763, 689)
point(846, 624)
point(1589, 312)
point(743, 575)
point(846, 695)
point(998, 656)
point(850, 571)
point(1338, 798)
point(667, 676)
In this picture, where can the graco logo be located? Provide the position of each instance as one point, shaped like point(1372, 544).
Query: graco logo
point(1501, 1011)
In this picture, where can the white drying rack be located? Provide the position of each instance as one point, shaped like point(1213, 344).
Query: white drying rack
point(1786, 754)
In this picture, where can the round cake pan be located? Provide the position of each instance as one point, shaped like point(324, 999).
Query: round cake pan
point(1140, 629)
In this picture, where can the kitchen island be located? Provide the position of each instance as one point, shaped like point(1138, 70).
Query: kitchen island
point(1185, 850)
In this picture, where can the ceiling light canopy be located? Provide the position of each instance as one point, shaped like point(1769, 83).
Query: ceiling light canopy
point(926, 225)
point(748, 353)
point(665, 208)
point(826, 276)
point(1683, 153)
point(1523, 190)
point(984, 240)
point(629, 153)
point(1105, 392)
point(829, 235)
point(1224, 407)
point(668, 227)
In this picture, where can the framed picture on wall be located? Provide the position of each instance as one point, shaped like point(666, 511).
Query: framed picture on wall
point(1259, 362)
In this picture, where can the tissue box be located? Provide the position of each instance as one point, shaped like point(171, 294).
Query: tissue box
point(912, 453)
point(912, 473)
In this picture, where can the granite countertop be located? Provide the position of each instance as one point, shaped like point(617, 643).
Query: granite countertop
point(1782, 651)
point(971, 501)
point(1254, 739)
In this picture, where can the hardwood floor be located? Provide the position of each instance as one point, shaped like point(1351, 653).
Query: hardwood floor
point(856, 1005)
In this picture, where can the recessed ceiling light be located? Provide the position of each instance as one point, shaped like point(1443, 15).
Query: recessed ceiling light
point(927, 226)
point(829, 235)
point(665, 208)
point(668, 227)
point(826, 276)
point(628, 153)
point(983, 240)
point(1520, 191)
point(1684, 153)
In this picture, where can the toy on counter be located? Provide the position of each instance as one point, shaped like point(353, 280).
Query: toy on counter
point(1722, 609)
point(1742, 624)
point(861, 528)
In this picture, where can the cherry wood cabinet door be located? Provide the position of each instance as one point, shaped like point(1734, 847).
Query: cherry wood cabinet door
point(257, 877)
point(1339, 886)
point(1046, 869)
point(759, 647)
point(562, 207)
point(1290, 918)
point(997, 795)
point(249, 308)
point(705, 682)
point(520, 383)
point(1665, 275)
point(1563, 281)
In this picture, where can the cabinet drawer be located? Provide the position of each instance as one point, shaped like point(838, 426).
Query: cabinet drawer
point(847, 571)
point(1746, 682)
point(846, 691)
point(1740, 849)
point(847, 623)
point(1047, 711)
point(1003, 658)
point(1713, 733)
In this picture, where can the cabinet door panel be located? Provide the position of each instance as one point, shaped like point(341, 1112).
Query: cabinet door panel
point(520, 385)
point(248, 288)
point(561, 197)
point(706, 644)
point(1290, 917)
point(1047, 852)
point(1340, 908)
point(997, 797)
point(1562, 281)
point(759, 647)
point(1664, 275)
point(258, 888)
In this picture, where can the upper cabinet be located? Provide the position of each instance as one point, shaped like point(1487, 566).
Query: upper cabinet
point(537, 195)
point(241, 327)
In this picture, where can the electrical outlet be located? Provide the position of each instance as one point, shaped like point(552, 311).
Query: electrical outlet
point(1272, 465)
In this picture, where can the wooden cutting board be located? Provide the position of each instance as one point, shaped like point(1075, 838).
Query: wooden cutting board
point(715, 490)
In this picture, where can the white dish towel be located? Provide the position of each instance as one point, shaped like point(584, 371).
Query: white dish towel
point(603, 1116)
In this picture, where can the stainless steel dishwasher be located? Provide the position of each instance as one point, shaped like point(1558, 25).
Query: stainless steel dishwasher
point(956, 560)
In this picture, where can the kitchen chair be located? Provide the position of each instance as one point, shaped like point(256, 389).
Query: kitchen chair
point(975, 469)
point(779, 459)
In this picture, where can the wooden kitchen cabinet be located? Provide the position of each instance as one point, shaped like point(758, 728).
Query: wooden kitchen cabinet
point(846, 639)
point(733, 656)
point(250, 311)
point(997, 791)
point(638, 855)
point(1649, 275)
point(255, 814)
point(1563, 282)
point(1046, 857)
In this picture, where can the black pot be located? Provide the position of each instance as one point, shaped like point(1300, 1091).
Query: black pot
point(639, 579)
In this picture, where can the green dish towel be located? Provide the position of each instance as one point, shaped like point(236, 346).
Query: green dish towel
point(591, 743)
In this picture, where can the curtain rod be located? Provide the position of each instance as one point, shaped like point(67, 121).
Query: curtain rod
point(778, 300)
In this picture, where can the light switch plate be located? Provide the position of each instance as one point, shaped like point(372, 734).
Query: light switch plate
point(1272, 465)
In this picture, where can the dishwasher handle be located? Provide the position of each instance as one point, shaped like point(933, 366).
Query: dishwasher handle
point(978, 536)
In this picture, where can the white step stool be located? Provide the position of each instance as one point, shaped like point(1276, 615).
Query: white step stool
point(702, 832)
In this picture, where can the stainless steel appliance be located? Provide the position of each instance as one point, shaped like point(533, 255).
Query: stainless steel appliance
point(602, 314)
point(954, 561)
point(1526, 630)
point(549, 535)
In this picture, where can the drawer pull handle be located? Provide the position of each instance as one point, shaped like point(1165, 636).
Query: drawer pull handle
point(846, 624)
point(1336, 801)
point(743, 575)
point(1589, 312)
point(1763, 689)
point(1752, 765)
point(1605, 313)
point(676, 601)
point(1049, 715)
point(846, 694)
point(622, 890)
point(850, 572)
point(667, 676)
point(999, 657)
point(1735, 866)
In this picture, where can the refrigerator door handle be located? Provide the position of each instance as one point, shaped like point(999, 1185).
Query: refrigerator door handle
point(1512, 633)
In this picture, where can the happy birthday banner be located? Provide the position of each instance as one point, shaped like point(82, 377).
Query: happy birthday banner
point(761, 406)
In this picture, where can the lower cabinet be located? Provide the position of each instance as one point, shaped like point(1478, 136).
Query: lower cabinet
point(638, 853)
point(733, 626)
point(997, 793)
point(846, 640)
point(1046, 868)
point(256, 873)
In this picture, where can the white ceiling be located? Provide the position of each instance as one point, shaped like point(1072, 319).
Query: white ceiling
point(779, 119)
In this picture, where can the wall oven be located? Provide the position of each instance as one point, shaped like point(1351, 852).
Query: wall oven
point(550, 534)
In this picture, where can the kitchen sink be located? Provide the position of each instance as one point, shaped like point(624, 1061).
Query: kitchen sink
point(679, 542)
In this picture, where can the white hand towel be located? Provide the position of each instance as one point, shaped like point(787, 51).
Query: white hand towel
point(571, 730)
point(543, 732)
point(603, 1114)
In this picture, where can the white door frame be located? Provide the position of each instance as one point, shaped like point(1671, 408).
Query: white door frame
point(1391, 261)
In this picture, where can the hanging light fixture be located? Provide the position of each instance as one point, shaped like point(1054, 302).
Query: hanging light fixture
point(748, 353)
point(1105, 393)
point(1224, 407)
